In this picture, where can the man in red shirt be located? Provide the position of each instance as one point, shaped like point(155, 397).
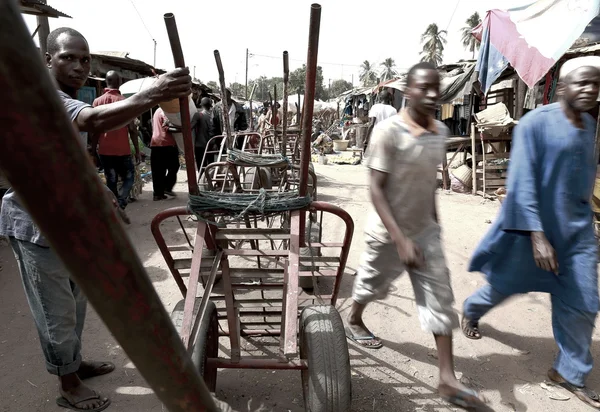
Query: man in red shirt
point(113, 146)
point(164, 158)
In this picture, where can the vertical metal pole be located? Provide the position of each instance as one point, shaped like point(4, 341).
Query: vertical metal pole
point(224, 103)
point(309, 94)
point(286, 79)
point(251, 108)
point(184, 106)
point(274, 111)
point(42, 157)
point(246, 87)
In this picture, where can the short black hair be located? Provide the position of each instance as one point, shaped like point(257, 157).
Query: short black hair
point(385, 96)
point(415, 68)
point(52, 41)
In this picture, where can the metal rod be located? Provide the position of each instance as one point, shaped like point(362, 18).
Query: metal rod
point(42, 156)
point(309, 94)
point(225, 104)
point(286, 80)
point(251, 109)
point(260, 363)
point(308, 107)
point(184, 106)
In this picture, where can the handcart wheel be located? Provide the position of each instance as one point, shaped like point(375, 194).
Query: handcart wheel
point(327, 382)
point(207, 344)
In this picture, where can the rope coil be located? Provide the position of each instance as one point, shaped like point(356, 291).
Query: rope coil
point(240, 205)
point(238, 157)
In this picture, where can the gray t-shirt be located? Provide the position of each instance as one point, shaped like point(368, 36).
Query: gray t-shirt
point(410, 155)
point(14, 219)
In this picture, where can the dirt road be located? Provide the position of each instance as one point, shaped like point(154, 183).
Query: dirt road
point(508, 365)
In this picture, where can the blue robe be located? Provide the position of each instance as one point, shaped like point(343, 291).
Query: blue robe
point(550, 182)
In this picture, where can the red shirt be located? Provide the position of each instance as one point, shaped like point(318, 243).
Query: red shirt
point(115, 142)
point(160, 134)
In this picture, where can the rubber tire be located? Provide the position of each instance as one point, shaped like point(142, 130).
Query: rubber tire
point(265, 176)
point(207, 344)
point(327, 383)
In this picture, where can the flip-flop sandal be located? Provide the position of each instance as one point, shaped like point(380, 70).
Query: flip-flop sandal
point(462, 398)
point(361, 340)
point(470, 326)
point(94, 369)
point(64, 403)
point(583, 393)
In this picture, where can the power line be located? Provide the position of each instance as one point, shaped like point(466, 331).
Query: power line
point(452, 16)
point(299, 60)
point(142, 19)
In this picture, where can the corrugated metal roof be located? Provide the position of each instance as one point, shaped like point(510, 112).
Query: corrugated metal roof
point(37, 8)
point(113, 53)
point(584, 49)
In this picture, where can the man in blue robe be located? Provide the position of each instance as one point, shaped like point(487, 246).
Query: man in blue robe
point(543, 239)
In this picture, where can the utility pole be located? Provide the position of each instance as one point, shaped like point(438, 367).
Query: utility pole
point(246, 87)
point(43, 31)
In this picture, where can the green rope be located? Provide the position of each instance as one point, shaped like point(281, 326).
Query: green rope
point(240, 205)
point(265, 160)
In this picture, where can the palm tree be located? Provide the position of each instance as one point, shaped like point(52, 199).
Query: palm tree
point(433, 41)
point(368, 76)
point(388, 71)
point(468, 40)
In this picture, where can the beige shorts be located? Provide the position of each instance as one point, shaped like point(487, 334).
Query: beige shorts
point(381, 265)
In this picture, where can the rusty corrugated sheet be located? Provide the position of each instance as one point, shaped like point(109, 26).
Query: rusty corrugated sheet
point(37, 8)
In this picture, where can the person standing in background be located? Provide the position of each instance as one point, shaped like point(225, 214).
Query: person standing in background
point(113, 147)
point(379, 112)
point(164, 157)
point(203, 131)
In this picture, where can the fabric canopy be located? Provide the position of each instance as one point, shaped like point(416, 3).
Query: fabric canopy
point(531, 38)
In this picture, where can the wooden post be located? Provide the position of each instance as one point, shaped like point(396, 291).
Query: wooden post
point(474, 157)
point(520, 100)
point(483, 168)
point(43, 30)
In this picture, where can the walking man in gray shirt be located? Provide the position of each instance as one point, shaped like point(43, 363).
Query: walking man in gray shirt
point(57, 304)
point(403, 233)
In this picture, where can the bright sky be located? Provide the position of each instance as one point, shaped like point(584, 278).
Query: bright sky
point(351, 31)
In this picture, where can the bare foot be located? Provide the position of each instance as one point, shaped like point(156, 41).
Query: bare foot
point(451, 390)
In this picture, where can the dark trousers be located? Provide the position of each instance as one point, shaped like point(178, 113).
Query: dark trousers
point(115, 167)
point(164, 161)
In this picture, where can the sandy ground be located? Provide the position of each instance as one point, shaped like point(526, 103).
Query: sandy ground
point(508, 365)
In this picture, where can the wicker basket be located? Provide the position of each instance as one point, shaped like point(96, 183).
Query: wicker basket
point(463, 174)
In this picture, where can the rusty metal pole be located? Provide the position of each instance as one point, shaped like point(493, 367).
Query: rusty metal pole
point(42, 156)
point(225, 119)
point(309, 103)
point(274, 113)
point(184, 106)
point(286, 80)
point(251, 109)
